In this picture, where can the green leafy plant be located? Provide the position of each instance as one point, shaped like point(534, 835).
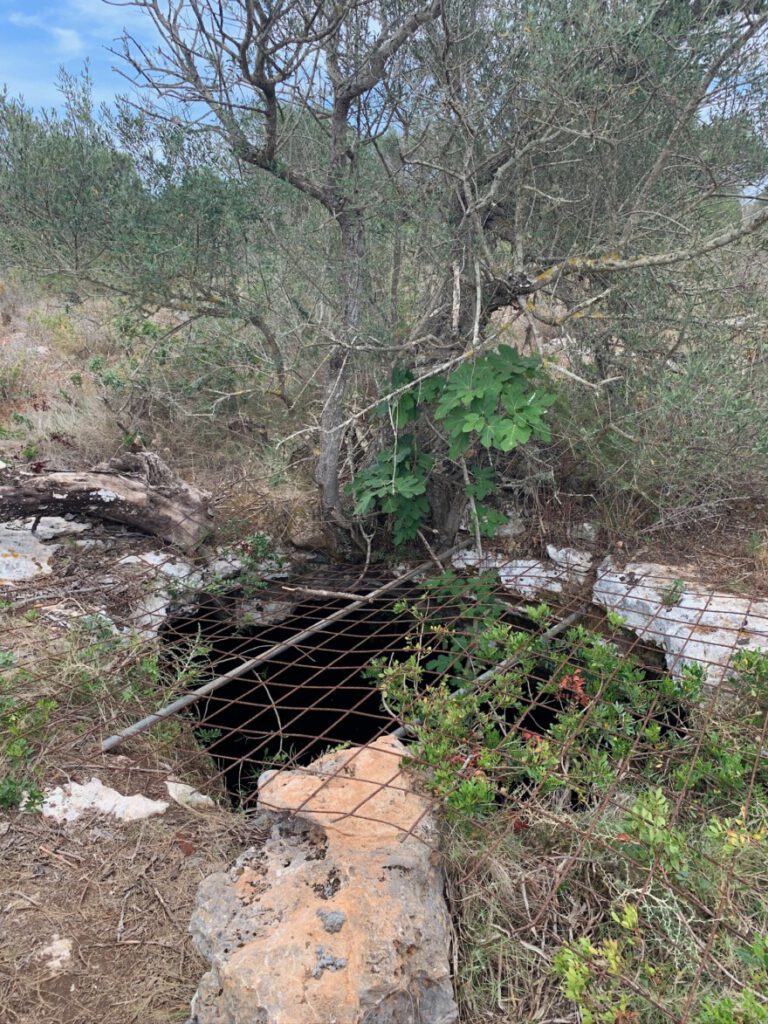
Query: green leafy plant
point(495, 402)
point(396, 484)
point(15, 792)
point(252, 552)
point(671, 596)
point(591, 979)
point(477, 744)
point(22, 726)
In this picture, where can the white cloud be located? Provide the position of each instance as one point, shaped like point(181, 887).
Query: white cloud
point(106, 17)
point(69, 42)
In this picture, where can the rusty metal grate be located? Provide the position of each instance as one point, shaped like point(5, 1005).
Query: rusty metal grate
point(311, 694)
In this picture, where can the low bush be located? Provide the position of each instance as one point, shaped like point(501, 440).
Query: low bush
point(606, 825)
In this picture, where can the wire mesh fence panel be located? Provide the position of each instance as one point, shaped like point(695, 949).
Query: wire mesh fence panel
point(596, 756)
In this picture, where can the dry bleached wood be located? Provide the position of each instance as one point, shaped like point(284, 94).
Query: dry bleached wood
point(136, 488)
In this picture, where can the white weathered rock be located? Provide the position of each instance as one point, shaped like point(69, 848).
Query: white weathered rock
point(691, 622)
point(575, 562)
point(224, 566)
point(50, 527)
point(515, 526)
point(530, 577)
point(165, 580)
point(69, 802)
point(254, 612)
point(339, 917)
point(25, 554)
point(188, 796)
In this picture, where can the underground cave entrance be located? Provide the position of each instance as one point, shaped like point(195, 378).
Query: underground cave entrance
point(315, 695)
point(300, 704)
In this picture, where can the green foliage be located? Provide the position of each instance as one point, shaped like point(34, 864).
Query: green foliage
point(648, 822)
point(671, 596)
point(11, 377)
point(396, 484)
point(495, 402)
point(474, 742)
point(17, 792)
point(567, 744)
point(251, 553)
point(741, 1009)
point(64, 190)
point(590, 976)
point(23, 726)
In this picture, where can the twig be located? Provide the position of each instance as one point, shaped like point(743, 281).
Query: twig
point(473, 507)
point(579, 380)
point(478, 305)
point(368, 542)
point(432, 555)
point(315, 592)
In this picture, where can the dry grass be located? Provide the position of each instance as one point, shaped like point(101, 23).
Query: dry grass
point(51, 410)
point(509, 921)
point(121, 893)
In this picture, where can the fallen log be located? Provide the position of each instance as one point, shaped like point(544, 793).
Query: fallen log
point(135, 488)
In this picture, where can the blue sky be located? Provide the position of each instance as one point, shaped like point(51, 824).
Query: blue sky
point(39, 36)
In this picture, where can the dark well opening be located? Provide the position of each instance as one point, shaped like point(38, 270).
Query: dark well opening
point(315, 695)
point(312, 697)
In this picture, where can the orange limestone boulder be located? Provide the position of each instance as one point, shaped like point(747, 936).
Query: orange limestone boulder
point(338, 915)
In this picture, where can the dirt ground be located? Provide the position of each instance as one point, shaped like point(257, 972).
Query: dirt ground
point(122, 894)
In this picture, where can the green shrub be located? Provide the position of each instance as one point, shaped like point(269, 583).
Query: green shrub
point(633, 812)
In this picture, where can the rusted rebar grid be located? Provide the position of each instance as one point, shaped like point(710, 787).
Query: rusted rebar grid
point(242, 697)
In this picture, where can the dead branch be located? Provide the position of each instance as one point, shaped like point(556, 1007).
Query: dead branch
point(135, 488)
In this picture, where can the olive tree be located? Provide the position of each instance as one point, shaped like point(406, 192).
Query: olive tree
point(255, 74)
point(596, 140)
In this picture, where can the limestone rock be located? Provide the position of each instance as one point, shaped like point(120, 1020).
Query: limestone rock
point(22, 556)
point(24, 553)
point(188, 796)
point(531, 577)
point(515, 526)
point(339, 917)
point(691, 622)
point(574, 562)
point(165, 579)
point(68, 803)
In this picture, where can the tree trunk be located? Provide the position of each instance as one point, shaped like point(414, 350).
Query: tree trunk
point(351, 271)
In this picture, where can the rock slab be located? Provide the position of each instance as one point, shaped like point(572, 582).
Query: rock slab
point(531, 577)
point(68, 803)
point(691, 622)
point(339, 916)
